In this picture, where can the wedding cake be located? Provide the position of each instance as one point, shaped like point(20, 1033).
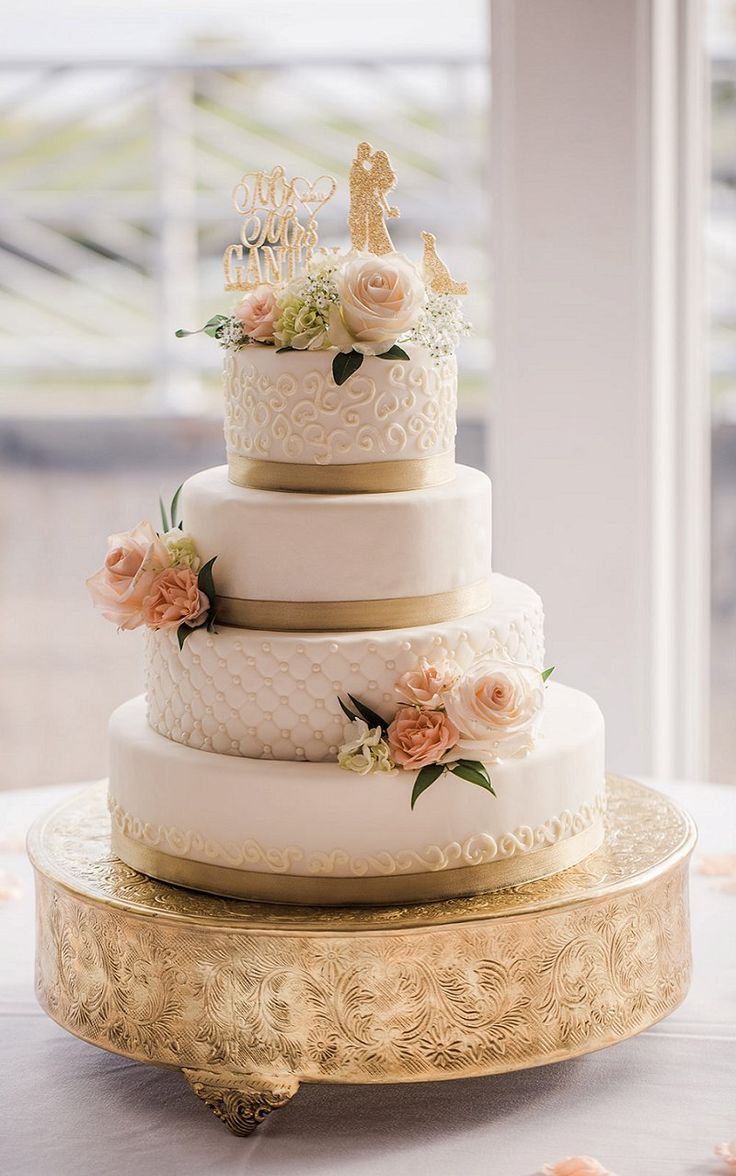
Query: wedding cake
point(344, 703)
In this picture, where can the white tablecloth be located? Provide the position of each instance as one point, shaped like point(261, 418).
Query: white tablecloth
point(653, 1106)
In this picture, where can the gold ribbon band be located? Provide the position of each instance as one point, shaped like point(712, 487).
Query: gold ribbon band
point(371, 477)
point(373, 891)
point(399, 612)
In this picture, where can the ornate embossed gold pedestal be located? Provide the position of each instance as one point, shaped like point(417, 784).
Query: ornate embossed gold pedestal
point(249, 1000)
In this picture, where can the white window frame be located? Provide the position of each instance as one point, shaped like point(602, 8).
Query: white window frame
point(600, 449)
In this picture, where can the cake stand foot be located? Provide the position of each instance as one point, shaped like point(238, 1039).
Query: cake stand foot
point(242, 1101)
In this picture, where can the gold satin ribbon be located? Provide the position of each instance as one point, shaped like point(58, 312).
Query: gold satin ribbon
point(308, 890)
point(374, 477)
point(398, 612)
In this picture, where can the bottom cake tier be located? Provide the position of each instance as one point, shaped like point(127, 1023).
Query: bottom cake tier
point(283, 831)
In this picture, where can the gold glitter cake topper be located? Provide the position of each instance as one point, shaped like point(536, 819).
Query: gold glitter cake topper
point(371, 179)
point(277, 242)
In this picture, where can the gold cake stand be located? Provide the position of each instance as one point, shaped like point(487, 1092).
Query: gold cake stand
point(248, 999)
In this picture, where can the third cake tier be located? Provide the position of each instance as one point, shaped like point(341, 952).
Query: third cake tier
point(275, 695)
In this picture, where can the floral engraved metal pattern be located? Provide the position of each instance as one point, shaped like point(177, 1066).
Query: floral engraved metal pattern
point(241, 1101)
point(408, 413)
point(459, 988)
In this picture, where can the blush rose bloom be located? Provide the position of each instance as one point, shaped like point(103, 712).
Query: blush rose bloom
point(420, 737)
point(497, 707)
point(134, 559)
point(257, 312)
point(427, 684)
point(380, 298)
point(576, 1166)
point(174, 600)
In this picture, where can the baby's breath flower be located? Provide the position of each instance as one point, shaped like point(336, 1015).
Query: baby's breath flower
point(441, 326)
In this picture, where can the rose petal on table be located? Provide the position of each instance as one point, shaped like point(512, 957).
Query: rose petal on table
point(727, 1152)
point(576, 1166)
point(9, 887)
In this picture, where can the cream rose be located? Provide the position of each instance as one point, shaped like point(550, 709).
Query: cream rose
point(420, 737)
point(174, 600)
point(367, 750)
point(380, 298)
point(134, 559)
point(427, 684)
point(257, 311)
point(496, 706)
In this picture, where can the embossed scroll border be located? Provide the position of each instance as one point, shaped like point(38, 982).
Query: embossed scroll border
point(248, 1013)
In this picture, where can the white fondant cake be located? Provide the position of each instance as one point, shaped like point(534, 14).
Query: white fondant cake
point(280, 408)
point(312, 547)
point(313, 820)
point(343, 703)
point(274, 695)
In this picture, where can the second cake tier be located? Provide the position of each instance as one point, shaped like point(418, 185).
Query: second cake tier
point(301, 562)
point(274, 695)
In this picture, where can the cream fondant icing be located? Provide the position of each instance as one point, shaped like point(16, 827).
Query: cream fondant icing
point(286, 407)
point(273, 545)
point(307, 818)
point(274, 695)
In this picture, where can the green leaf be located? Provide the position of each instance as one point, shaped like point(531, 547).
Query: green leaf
point(211, 618)
point(175, 508)
point(470, 770)
point(371, 717)
point(345, 710)
point(181, 334)
point(345, 364)
point(477, 766)
point(164, 516)
point(546, 673)
point(281, 350)
point(182, 633)
point(205, 581)
point(425, 777)
point(394, 352)
point(214, 325)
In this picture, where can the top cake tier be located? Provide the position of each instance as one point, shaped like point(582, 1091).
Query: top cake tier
point(288, 426)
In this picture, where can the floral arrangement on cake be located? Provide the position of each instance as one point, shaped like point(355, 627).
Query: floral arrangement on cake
point(358, 304)
point(156, 579)
point(369, 302)
point(448, 721)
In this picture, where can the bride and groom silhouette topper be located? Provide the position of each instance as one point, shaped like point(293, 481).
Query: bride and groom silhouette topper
point(370, 180)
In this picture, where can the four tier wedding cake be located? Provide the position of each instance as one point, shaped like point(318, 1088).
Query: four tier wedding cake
point(344, 704)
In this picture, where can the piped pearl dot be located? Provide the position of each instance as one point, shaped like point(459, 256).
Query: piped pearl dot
point(284, 700)
point(267, 715)
point(316, 668)
point(266, 647)
point(354, 668)
point(405, 645)
point(372, 685)
point(391, 665)
point(372, 648)
point(268, 681)
point(252, 731)
point(333, 647)
point(283, 666)
point(332, 749)
point(285, 734)
point(299, 649)
point(300, 751)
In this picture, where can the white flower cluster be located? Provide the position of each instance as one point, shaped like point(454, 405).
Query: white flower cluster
point(232, 333)
point(441, 326)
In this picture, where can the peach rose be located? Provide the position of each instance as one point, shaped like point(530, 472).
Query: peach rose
point(576, 1166)
point(420, 737)
point(175, 599)
point(257, 311)
point(496, 706)
point(380, 298)
point(134, 559)
point(426, 685)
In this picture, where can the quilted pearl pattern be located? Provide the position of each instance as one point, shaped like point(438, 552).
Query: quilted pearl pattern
point(274, 695)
